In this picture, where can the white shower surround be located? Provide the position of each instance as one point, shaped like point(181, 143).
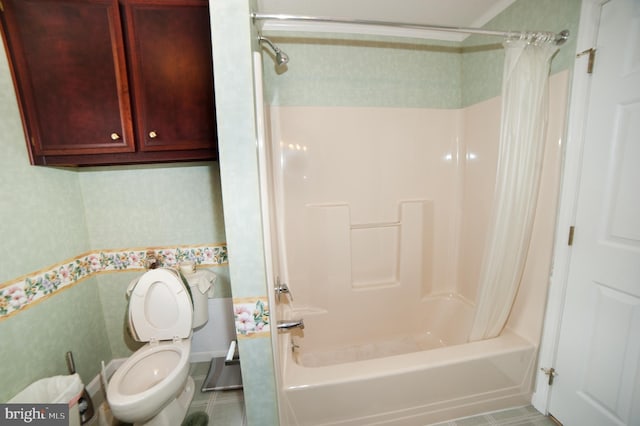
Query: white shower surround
point(409, 190)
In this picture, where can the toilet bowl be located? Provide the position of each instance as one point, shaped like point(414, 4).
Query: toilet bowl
point(153, 387)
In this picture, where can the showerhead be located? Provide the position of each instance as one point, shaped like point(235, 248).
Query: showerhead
point(281, 57)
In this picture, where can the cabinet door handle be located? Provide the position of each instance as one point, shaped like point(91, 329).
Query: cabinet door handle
point(153, 134)
point(115, 136)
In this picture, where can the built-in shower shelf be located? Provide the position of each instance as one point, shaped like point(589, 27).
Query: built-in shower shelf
point(374, 285)
point(374, 225)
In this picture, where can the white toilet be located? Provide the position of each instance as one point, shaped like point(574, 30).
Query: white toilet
point(153, 386)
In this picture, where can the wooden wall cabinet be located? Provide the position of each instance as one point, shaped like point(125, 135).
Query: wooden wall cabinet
point(112, 82)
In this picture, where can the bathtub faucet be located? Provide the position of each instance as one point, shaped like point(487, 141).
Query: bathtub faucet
point(287, 325)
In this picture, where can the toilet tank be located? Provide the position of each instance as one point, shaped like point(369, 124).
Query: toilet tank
point(201, 285)
point(200, 307)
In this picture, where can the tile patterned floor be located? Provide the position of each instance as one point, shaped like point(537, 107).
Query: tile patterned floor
point(523, 416)
point(224, 408)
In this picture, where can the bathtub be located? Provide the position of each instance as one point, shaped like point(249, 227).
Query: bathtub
point(402, 379)
point(382, 245)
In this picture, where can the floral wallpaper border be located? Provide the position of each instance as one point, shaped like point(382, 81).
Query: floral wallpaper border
point(21, 293)
point(251, 316)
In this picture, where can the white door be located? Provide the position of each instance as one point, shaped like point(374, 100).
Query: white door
point(598, 359)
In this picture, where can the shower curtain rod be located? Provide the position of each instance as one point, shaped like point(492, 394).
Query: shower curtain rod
point(559, 38)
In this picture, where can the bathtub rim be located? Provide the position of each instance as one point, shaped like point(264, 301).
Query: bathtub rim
point(296, 376)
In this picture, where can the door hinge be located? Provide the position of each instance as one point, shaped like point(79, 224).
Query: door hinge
point(592, 57)
point(572, 230)
point(551, 372)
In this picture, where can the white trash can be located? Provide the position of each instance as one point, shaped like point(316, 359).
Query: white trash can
point(54, 390)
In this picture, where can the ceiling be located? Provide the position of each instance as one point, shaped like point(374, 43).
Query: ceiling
point(456, 13)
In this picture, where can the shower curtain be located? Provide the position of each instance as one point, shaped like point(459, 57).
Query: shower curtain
point(521, 150)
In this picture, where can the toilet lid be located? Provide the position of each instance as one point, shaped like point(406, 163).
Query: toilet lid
point(160, 307)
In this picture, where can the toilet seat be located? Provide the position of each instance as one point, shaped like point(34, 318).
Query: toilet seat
point(160, 307)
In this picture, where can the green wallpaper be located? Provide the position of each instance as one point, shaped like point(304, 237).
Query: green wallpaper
point(153, 205)
point(333, 70)
point(259, 382)
point(483, 58)
point(352, 70)
point(35, 341)
point(234, 40)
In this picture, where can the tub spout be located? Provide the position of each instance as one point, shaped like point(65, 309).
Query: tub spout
point(287, 325)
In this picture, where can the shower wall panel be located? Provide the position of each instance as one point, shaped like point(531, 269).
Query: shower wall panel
point(481, 134)
point(380, 208)
point(368, 202)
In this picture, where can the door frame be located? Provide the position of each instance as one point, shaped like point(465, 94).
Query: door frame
point(572, 166)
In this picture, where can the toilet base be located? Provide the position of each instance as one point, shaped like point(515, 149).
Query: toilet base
point(174, 413)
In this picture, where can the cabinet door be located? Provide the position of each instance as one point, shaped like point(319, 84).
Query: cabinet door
point(169, 55)
point(68, 67)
